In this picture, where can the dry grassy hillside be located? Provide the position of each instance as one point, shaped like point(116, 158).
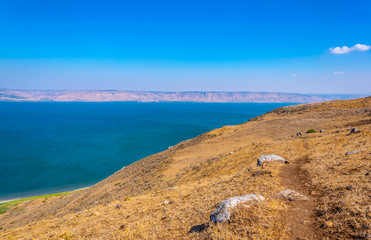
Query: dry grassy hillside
point(164, 195)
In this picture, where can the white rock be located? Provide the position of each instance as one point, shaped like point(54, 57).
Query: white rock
point(270, 157)
point(222, 212)
point(290, 195)
point(352, 152)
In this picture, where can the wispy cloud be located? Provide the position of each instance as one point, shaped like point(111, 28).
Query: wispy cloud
point(339, 73)
point(294, 74)
point(346, 49)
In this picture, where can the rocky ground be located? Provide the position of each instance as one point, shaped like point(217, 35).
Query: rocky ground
point(212, 187)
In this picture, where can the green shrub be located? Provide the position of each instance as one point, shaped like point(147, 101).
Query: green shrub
point(311, 131)
point(6, 205)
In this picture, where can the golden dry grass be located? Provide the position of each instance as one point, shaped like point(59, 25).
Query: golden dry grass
point(196, 175)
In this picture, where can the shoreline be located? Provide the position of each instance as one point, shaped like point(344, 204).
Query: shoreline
point(45, 194)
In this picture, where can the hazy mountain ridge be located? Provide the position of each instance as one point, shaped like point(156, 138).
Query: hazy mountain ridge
point(15, 95)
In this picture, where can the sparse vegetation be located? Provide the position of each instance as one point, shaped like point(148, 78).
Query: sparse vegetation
point(311, 131)
point(7, 205)
point(67, 236)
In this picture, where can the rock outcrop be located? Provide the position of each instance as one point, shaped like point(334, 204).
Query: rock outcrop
point(222, 212)
point(270, 157)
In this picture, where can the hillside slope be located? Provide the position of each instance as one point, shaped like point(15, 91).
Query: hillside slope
point(164, 195)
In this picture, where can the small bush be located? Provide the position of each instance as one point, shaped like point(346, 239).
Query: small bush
point(126, 198)
point(67, 236)
point(311, 131)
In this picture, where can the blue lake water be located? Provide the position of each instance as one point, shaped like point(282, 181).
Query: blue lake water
point(53, 147)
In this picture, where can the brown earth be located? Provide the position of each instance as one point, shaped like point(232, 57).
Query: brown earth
point(299, 217)
point(196, 175)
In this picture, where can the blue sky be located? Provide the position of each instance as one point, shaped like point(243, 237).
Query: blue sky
point(279, 46)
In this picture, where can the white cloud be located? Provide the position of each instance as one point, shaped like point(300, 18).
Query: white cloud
point(345, 49)
point(294, 74)
point(339, 72)
point(361, 47)
point(340, 50)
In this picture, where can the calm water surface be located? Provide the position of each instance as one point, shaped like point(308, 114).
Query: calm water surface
point(53, 147)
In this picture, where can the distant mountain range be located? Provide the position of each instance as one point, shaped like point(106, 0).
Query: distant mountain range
point(16, 95)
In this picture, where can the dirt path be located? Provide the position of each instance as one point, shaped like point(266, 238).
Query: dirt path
point(299, 218)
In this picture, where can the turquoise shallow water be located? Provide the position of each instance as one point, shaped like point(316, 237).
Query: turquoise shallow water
point(53, 147)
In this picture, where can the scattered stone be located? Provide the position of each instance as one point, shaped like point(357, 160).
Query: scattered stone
point(166, 202)
point(199, 228)
point(163, 218)
point(222, 212)
point(270, 157)
point(352, 152)
point(261, 173)
point(340, 130)
point(123, 227)
point(118, 206)
point(322, 131)
point(173, 188)
point(327, 224)
point(231, 153)
point(299, 134)
point(350, 187)
point(290, 195)
point(354, 130)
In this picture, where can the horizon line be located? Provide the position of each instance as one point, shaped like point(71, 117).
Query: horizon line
point(186, 91)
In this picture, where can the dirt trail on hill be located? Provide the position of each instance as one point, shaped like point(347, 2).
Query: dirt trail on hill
point(299, 218)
